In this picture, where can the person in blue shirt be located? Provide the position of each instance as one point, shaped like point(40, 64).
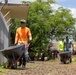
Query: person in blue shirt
point(69, 46)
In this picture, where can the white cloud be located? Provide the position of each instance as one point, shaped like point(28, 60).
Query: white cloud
point(55, 6)
point(73, 10)
point(14, 1)
point(18, 1)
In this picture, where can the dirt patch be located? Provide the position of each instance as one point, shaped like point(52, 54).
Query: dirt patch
point(45, 68)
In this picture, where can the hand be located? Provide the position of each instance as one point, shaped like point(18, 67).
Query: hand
point(30, 41)
point(15, 44)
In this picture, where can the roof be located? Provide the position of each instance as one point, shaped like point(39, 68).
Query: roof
point(19, 11)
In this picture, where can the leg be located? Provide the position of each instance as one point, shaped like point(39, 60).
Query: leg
point(24, 60)
point(20, 60)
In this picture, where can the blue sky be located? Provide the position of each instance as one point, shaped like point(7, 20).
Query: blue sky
point(64, 3)
point(67, 3)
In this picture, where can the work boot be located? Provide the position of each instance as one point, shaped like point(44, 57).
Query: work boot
point(23, 67)
point(19, 64)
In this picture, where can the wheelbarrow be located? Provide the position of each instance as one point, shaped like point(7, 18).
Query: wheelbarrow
point(13, 54)
point(65, 57)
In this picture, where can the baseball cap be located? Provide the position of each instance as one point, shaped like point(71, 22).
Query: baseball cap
point(23, 21)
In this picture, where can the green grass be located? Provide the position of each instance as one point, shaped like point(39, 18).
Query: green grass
point(53, 60)
point(2, 70)
point(74, 59)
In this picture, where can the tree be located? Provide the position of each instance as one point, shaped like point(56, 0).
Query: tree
point(39, 22)
point(13, 27)
point(62, 22)
point(42, 21)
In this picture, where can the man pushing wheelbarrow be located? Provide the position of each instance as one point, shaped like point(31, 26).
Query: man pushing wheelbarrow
point(23, 36)
point(66, 48)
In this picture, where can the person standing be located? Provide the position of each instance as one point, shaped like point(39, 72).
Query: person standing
point(61, 46)
point(23, 36)
point(69, 46)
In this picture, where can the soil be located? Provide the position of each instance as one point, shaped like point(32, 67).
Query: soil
point(45, 68)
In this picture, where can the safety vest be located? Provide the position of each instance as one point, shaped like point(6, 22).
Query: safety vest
point(61, 46)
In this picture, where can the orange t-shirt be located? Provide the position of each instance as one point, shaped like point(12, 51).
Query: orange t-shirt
point(22, 35)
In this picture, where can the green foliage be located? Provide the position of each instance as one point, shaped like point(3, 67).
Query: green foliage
point(62, 21)
point(2, 70)
point(42, 20)
point(13, 27)
point(39, 23)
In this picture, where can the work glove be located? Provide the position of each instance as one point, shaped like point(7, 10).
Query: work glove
point(15, 44)
point(30, 42)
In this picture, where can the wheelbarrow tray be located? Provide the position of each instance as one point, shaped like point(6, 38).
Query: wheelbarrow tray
point(65, 54)
point(15, 51)
point(65, 57)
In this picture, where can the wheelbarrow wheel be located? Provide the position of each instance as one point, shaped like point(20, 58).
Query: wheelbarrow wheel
point(67, 61)
point(13, 66)
point(70, 60)
point(61, 60)
point(64, 61)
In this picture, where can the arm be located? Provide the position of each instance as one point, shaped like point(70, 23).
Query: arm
point(29, 35)
point(16, 37)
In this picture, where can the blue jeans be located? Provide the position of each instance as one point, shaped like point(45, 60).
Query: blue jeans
point(26, 54)
point(68, 50)
point(23, 58)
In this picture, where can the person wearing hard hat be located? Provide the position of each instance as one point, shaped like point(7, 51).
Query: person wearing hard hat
point(23, 33)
